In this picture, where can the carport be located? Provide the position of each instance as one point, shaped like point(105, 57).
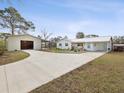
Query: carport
point(118, 47)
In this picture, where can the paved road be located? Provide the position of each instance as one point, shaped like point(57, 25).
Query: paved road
point(40, 68)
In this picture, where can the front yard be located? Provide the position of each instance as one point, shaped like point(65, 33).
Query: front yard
point(103, 75)
point(13, 56)
point(56, 50)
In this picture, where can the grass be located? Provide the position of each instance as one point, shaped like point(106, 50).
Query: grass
point(13, 56)
point(103, 75)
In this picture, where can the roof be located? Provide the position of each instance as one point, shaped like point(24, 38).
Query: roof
point(118, 44)
point(65, 40)
point(23, 35)
point(92, 39)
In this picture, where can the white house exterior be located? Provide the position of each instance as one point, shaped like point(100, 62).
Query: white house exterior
point(64, 44)
point(20, 42)
point(90, 44)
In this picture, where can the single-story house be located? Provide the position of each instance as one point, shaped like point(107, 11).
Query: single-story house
point(20, 42)
point(87, 44)
point(64, 44)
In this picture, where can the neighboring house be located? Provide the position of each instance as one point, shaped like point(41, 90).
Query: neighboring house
point(20, 42)
point(89, 44)
point(64, 44)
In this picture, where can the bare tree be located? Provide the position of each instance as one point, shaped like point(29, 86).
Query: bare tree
point(45, 35)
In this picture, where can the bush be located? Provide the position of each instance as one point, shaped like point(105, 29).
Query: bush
point(1, 51)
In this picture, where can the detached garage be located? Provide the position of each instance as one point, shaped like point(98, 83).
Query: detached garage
point(21, 42)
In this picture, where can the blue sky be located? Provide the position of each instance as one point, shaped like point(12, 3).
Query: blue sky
point(67, 17)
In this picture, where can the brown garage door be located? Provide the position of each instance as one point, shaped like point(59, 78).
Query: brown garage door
point(26, 44)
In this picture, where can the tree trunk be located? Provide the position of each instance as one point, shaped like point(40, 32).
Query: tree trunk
point(12, 30)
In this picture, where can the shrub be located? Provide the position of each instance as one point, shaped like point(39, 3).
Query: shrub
point(1, 51)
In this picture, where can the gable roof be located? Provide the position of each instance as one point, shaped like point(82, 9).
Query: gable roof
point(118, 45)
point(64, 40)
point(23, 35)
point(92, 39)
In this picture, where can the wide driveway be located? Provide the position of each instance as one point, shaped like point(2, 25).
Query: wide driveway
point(40, 68)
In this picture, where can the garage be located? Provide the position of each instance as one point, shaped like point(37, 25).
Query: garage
point(22, 42)
point(27, 44)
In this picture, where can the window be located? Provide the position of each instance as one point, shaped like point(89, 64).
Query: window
point(60, 44)
point(78, 44)
point(66, 44)
point(88, 46)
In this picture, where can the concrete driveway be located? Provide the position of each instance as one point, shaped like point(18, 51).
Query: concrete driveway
point(40, 68)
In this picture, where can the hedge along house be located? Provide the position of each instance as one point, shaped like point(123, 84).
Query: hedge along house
point(91, 44)
point(21, 42)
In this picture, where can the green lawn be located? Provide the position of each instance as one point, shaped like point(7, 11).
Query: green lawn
point(12, 56)
point(103, 75)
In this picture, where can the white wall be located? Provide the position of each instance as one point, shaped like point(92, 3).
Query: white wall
point(13, 43)
point(86, 47)
point(109, 46)
point(100, 46)
point(63, 42)
point(96, 46)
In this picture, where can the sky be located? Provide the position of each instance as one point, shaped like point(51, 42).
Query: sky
point(67, 17)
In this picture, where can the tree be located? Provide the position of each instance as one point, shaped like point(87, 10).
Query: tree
point(118, 39)
point(3, 36)
point(65, 37)
point(11, 19)
point(80, 35)
point(45, 36)
point(54, 40)
point(92, 35)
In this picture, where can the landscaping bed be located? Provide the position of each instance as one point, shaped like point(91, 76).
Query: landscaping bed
point(103, 75)
point(12, 56)
point(56, 50)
